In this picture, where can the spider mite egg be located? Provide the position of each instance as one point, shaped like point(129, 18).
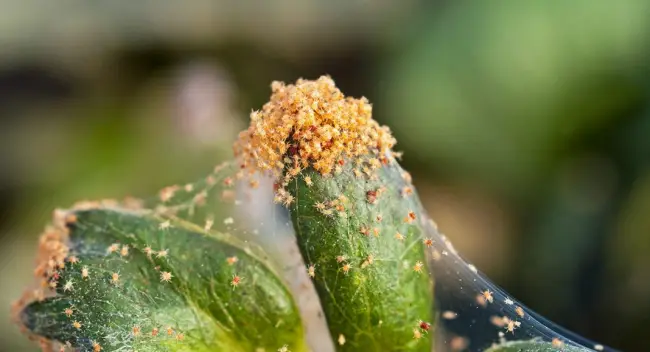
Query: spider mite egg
point(449, 315)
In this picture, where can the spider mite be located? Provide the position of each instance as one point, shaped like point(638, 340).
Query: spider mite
point(487, 294)
point(235, 281)
point(409, 217)
point(520, 311)
point(165, 276)
point(96, 347)
point(346, 268)
point(427, 242)
point(115, 278)
point(424, 325)
point(68, 312)
point(371, 197)
point(511, 325)
point(417, 334)
point(84, 272)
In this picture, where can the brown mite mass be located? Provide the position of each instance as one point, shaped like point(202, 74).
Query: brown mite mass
point(310, 124)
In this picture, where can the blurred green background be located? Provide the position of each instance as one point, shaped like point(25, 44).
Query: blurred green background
point(526, 125)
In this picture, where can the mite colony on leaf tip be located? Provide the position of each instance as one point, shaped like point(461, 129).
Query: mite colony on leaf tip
point(311, 124)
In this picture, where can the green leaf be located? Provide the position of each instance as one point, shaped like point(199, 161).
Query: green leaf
point(374, 287)
point(200, 307)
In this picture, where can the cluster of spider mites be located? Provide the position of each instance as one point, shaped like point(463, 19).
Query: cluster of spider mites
point(312, 124)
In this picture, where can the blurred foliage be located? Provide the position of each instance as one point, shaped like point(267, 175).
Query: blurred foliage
point(538, 109)
point(501, 92)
